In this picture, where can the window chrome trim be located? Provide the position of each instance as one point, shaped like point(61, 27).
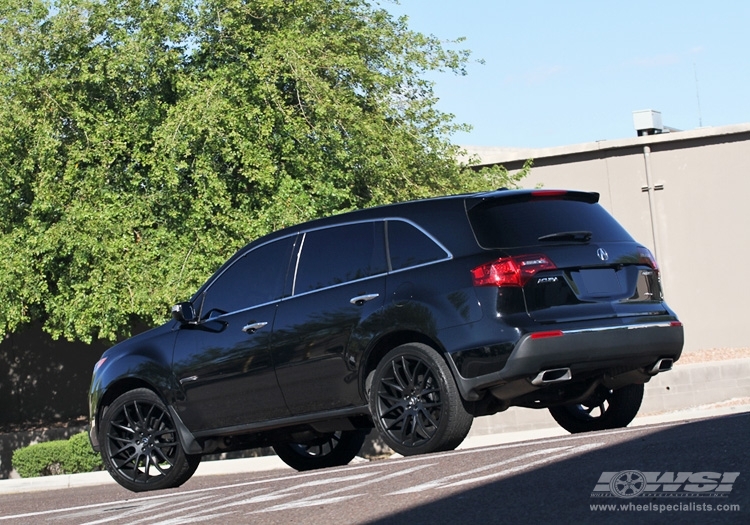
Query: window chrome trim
point(389, 270)
point(448, 254)
point(297, 253)
point(239, 256)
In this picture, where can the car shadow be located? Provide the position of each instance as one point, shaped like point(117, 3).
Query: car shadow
point(562, 491)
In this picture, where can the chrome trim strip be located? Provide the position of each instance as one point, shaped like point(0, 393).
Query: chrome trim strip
point(666, 324)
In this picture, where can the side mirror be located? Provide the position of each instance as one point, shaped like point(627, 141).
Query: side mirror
point(184, 313)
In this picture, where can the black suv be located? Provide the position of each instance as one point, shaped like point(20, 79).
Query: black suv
point(413, 317)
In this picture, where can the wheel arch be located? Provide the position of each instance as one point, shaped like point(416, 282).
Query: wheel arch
point(118, 388)
point(127, 384)
point(387, 343)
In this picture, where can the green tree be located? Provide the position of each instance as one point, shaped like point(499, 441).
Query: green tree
point(144, 141)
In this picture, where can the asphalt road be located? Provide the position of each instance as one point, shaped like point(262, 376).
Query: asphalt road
point(559, 479)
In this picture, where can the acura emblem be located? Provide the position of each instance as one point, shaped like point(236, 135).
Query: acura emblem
point(602, 254)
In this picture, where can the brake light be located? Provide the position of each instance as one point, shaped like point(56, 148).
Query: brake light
point(646, 257)
point(548, 194)
point(546, 335)
point(511, 271)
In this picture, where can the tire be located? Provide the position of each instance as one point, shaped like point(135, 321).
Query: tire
point(140, 446)
point(608, 410)
point(415, 403)
point(331, 450)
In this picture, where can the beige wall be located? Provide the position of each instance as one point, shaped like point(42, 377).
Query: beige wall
point(701, 219)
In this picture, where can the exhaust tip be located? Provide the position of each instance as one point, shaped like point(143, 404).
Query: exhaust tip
point(662, 365)
point(555, 375)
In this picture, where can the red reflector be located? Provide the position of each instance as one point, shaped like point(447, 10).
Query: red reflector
point(544, 335)
point(99, 363)
point(675, 323)
point(511, 271)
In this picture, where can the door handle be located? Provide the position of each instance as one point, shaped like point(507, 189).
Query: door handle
point(362, 299)
point(252, 328)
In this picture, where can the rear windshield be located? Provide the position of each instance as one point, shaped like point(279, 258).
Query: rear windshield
point(499, 225)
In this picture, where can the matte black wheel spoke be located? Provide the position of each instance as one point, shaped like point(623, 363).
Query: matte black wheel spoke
point(140, 446)
point(410, 401)
point(421, 380)
point(398, 405)
point(137, 409)
point(428, 417)
point(161, 446)
point(123, 449)
point(159, 423)
point(392, 387)
point(143, 444)
point(409, 374)
point(426, 413)
point(164, 432)
point(158, 466)
point(128, 429)
point(422, 433)
point(397, 373)
point(318, 449)
point(396, 423)
point(407, 430)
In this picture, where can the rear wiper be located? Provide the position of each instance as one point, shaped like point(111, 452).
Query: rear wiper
point(578, 236)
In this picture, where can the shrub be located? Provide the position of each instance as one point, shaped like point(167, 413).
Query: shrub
point(57, 457)
point(82, 457)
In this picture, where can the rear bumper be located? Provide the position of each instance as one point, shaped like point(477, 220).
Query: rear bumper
point(585, 351)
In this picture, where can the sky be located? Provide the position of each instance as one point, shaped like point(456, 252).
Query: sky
point(565, 72)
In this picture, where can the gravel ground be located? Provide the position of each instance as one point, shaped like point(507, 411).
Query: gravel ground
point(714, 354)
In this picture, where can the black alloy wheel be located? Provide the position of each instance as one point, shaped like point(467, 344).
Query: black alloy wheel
point(329, 450)
point(415, 403)
point(607, 409)
point(140, 446)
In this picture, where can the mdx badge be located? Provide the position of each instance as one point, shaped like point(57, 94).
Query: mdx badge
point(602, 254)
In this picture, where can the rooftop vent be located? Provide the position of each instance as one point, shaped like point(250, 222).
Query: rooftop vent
point(647, 122)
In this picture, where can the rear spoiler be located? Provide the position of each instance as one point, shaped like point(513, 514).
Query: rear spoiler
point(503, 196)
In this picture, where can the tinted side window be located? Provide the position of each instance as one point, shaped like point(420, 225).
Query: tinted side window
point(255, 278)
point(337, 255)
point(408, 246)
point(522, 223)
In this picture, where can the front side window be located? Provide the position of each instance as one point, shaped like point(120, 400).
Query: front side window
point(255, 278)
point(341, 254)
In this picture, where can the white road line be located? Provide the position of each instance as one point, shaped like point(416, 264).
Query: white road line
point(127, 509)
point(323, 499)
point(195, 519)
point(160, 509)
point(525, 466)
point(443, 481)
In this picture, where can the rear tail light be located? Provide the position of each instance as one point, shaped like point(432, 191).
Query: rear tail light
point(511, 271)
point(646, 257)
